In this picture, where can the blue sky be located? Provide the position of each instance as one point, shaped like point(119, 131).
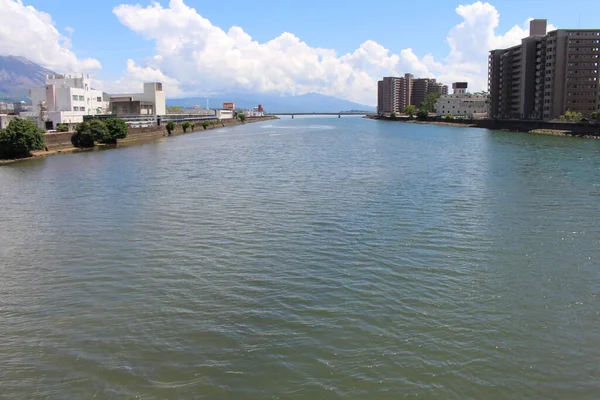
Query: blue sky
point(112, 39)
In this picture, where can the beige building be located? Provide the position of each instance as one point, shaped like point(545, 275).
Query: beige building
point(546, 75)
point(462, 104)
point(395, 93)
point(150, 102)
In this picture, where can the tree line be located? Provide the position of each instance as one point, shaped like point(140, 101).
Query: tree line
point(21, 136)
point(422, 112)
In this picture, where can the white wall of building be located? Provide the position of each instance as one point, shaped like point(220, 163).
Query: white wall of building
point(66, 99)
point(224, 114)
point(463, 105)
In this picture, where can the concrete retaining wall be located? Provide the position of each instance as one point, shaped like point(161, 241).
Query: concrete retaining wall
point(55, 141)
point(58, 141)
point(526, 126)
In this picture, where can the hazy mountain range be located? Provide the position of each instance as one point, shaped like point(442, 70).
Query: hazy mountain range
point(275, 103)
point(18, 75)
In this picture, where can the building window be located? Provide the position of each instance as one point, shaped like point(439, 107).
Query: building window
point(99, 99)
point(81, 98)
point(75, 97)
point(75, 108)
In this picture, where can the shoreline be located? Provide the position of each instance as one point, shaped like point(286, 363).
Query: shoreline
point(579, 130)
point(61, 143)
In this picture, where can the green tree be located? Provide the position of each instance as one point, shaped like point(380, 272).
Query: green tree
point(19, 138)
point(572, 116)
point(174, 110)
point(82, 137)
point(393, 115)
point(410, 111)
point(62, 128)
point(430, 101)
point(117, 129)
point(449, 117)
point(594, 115)
point(422, 114)
point(87, 133)
point(242, 116)
point(192, 126)
point(205, 124)
point(99, 131)
point(185, 125)
point(170, 127)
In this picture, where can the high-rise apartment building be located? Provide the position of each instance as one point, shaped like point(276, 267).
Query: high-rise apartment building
point(422, 87)
point(546, 75)
point(394, 93)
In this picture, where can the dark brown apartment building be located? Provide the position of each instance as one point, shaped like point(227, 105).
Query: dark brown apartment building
point(395, 93)
point(546, 75)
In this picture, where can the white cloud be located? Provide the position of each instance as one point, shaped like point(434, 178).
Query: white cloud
point(135, 76)
point(27, 32)
point(195, 57)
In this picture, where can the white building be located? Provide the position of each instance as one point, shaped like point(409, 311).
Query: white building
point(66, 99)
point(256, 112)
point(462, 104)
point(224, 114)
point(151, 102)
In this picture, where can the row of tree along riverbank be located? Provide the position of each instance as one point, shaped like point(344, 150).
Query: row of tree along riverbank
point(559, 128)
point(23, 140)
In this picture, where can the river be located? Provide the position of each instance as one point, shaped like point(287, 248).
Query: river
point(301, 259)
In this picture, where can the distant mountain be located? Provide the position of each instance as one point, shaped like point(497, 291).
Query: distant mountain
point(275, 103)
point(18, 75)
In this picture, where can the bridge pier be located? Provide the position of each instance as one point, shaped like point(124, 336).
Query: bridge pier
point(292, 116)
point(339, 115)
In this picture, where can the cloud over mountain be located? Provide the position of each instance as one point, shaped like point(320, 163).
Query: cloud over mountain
point(27, 32)
point(194, 57)
point(198, 56)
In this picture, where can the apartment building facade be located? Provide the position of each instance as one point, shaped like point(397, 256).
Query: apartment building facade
point(546, 75)
point(422, 87)
point(394, 94)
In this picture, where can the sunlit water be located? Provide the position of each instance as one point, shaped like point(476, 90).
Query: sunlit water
point(301, 259)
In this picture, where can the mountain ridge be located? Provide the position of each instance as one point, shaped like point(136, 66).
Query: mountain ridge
point(18, 75)
point(275, 103)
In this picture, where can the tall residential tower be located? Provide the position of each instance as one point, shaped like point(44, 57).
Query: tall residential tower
point(394, 94)
point(546, 75)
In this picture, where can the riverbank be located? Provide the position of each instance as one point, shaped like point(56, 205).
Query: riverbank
point(60, 143)
point(571, 129)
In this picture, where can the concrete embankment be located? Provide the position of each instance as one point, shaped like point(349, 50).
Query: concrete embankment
point(577, 129)
point(60, 143)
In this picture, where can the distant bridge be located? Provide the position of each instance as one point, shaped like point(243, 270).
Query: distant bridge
point(339, 114)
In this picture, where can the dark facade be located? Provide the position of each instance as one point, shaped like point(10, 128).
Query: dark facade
point(546, 75)
point(128, 107)
point(395, 93)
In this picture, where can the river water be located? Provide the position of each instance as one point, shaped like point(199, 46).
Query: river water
point(307, 258)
